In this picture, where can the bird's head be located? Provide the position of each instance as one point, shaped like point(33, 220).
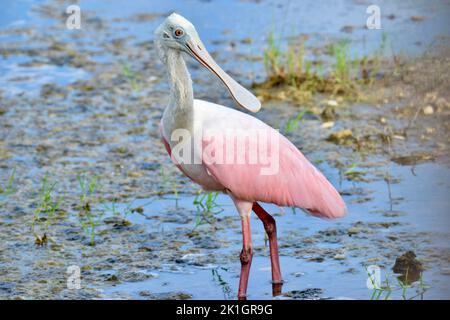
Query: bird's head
point(177, 33)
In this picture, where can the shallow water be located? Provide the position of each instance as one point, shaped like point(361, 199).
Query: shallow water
point(423, 210)
point(322, 22)
point(91, 120)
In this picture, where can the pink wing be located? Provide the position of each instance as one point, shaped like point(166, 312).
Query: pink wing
point(297, 184)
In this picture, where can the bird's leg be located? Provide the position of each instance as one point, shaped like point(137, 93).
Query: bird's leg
point(271, 230)
point(246, 257)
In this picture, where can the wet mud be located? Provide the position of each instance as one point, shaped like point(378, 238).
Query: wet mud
point(86, 182)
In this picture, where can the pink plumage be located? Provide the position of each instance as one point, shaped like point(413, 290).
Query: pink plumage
point(297, 183)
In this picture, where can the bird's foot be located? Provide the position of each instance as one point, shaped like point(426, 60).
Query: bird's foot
point(242, 296)
point(276, 288)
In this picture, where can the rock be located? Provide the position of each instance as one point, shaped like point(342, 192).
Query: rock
point(317, 259)
point(135, 174)
point(428, 110)
point(327, 125)
point(409, 268)
point(328, 114)
point(298, 274)
point(139, 210)
point(112, 278)
point(417, 18)
point(332, 103)
point(341, 137)
point(339, 257)
point(347, 29)
point(307, 294)
point(353, 230)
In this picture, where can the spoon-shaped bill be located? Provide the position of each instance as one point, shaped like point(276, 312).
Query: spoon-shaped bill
point(242, 96)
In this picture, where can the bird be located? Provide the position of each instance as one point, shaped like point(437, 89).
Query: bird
point(223, 149)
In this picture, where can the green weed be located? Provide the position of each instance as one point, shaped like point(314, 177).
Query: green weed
point(290, 76)
point(169, 184)
point(88, 217)
point(206, 207)
point(341, 67)
point(131, 76)
point(226, 289)
point(9, 188)
point(294, 122)
point(387, 288)
point(46, 207)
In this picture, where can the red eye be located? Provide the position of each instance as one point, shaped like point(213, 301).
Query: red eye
point(178, 33)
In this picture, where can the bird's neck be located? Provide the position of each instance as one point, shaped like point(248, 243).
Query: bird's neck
point(181, 93)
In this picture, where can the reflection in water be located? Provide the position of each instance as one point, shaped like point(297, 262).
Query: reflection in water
point(226, 289)
point(276, 289)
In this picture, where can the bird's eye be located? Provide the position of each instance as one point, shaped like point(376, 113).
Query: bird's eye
point(178, 33)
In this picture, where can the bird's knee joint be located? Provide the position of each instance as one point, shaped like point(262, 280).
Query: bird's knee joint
point(246, 255)
point(270, 227)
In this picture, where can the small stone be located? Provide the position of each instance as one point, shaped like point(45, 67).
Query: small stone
point(317, 259)
point(112, 278)
point(353, 230)
point(298, 274)
point(408, 267)
point(307, 294)
point(391, 16)
point(341, 136)
point(139, 210)
point(417, 18)
point(347, 29)
point(135, 174)
point(339, 257)
point(247, 40)
point(145, 293)
point(428, 110)
point(332, 103)
point(328, 124)
point(328, 114)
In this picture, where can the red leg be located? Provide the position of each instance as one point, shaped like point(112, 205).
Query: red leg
point(271, 230)
point(246, 257)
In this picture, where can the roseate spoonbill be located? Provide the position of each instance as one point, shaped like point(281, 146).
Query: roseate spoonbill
point(296, 182)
